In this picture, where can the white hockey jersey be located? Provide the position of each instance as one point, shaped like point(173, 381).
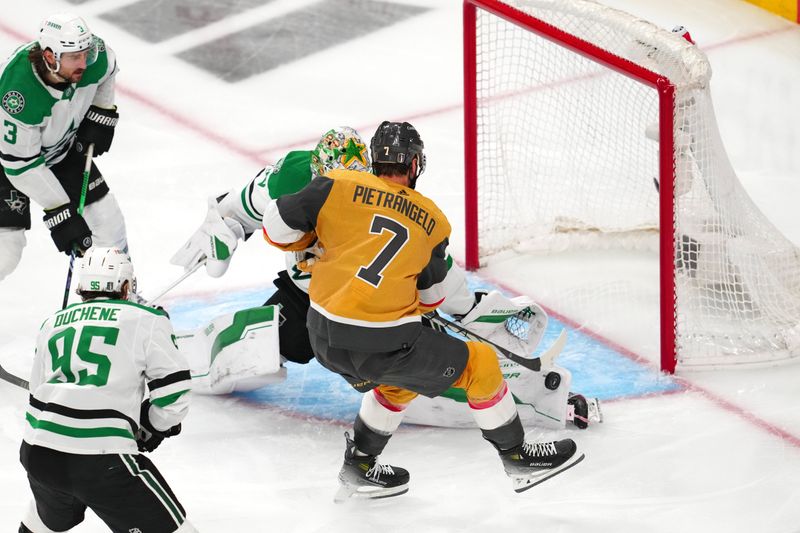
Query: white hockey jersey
point(39, 122)
point(92, 362)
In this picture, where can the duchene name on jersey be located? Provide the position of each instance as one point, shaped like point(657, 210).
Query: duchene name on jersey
point(397, 202)
point(108, 314)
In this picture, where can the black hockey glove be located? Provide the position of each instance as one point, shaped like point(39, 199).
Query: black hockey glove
point(97, 127)
point(148, 438)
point(68, 229)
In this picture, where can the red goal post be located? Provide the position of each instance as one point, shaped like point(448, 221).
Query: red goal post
point(523, 58)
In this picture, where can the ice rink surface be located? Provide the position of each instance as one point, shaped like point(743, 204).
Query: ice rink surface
point(209, 92)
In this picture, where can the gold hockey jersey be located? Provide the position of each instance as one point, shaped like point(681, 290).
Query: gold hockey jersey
point(382, 242)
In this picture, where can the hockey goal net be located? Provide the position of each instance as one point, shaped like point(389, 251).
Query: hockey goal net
point(591, 133)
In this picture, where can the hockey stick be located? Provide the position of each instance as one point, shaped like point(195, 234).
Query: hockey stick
point(14, 380)
point(546, 358)
point(178, 281)
point(87, 168)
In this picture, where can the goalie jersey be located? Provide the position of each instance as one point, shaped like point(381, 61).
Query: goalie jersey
point(384, 245)
point(93, 360)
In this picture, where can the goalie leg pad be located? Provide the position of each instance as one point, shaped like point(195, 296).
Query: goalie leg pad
point(237, 351)
point(545, 407)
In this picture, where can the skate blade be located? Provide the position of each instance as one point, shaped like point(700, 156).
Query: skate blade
point(521, 484)
point(595, 413)
point(347, 492)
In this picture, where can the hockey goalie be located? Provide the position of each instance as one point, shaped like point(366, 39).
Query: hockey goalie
point(249, 349)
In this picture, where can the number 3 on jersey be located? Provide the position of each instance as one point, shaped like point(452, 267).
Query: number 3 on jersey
point(61, 346)
point(372, 273)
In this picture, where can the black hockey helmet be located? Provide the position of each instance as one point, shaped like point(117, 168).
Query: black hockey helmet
point(397, 143)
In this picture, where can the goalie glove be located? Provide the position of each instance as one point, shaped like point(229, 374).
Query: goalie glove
point(149, 438)
point(516, 324)
point(213, 243)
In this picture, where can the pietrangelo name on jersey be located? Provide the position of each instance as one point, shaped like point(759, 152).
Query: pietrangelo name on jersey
point(86, 313)
point(397, 202)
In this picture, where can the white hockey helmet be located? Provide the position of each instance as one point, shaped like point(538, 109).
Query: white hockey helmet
point(64, 33)
point(105, 270)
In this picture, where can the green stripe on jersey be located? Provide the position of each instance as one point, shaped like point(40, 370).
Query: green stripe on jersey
point(17, 171)
point(78, 433)
point(168, 399)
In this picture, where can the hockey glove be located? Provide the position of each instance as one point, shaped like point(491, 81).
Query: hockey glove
point(305, 259)
point(68, 229)
point(97, 127)
point(213, 243)
point(148, 438)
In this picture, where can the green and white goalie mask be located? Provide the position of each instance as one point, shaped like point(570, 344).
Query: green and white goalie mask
point(341, 148)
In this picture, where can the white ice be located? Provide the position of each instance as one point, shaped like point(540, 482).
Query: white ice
point(723, 456)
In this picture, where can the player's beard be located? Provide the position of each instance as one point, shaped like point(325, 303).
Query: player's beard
point(77, 75)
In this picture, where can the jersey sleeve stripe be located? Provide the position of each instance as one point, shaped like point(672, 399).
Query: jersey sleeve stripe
point(164, 401)
point(175, 377)
point(247, 203)
point(17, 159)
point(17, 171)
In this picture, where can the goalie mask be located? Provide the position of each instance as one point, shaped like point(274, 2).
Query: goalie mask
point(340, 148)
point(66, 33)
point(398, 143)
point(105, 270)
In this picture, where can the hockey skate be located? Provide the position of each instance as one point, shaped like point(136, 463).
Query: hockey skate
point(530, 464)
point(582, 410)
point(364, 477)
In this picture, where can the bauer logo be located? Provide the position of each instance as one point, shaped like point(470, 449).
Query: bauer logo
point(13, 102)
point(449, 372)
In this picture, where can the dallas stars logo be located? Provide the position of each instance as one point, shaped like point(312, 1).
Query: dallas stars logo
point(17, 203)
point(354, 152)
point(13, 102)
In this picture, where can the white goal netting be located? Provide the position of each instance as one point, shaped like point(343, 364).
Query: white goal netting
point(568, 159)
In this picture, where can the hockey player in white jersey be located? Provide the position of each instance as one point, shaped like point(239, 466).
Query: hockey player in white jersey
point(88, 419)
point(57, 99)
point(238, 213)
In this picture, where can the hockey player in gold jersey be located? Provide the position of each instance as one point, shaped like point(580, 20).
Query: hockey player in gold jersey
point(382, 267)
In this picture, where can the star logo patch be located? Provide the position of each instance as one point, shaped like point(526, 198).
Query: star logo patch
point(17, 203)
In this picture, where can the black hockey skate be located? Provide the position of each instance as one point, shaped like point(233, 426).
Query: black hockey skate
point(582, 410)
point(530, 464)
point(362, 476)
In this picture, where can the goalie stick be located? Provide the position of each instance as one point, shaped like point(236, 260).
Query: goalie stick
point(534, 363)
point(14, 380)
point(175, 283)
